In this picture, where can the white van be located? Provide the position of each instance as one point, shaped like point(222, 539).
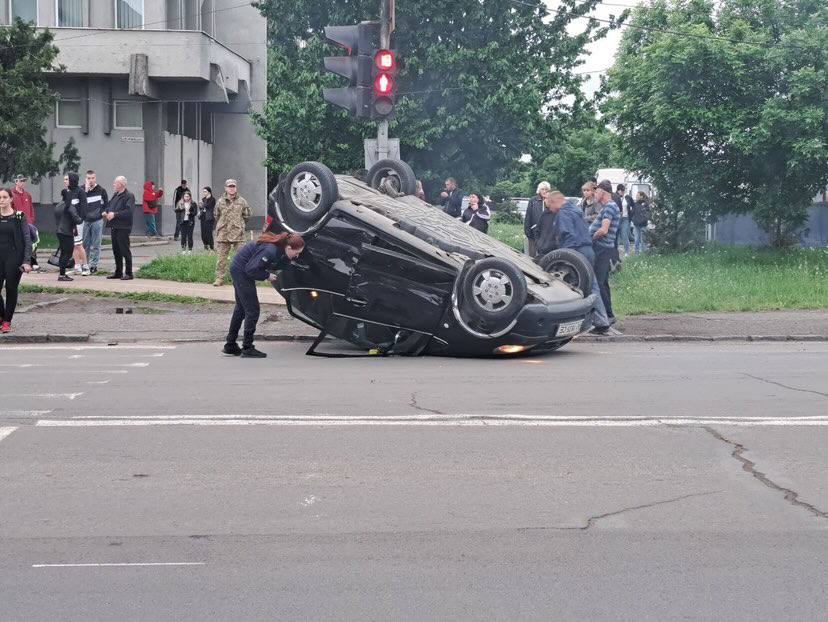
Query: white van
point(634, 182)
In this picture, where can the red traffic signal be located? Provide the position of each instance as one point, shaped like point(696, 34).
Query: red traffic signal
point(385, 60)
point(384, 84)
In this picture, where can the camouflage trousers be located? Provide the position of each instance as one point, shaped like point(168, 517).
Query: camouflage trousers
point(224, 249)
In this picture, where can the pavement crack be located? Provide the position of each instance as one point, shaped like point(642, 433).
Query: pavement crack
point(791, 496)
point(413, 403)
point(785, 386)
point(590, 522)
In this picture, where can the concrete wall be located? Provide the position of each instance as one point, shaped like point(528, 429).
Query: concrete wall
point(239, 153)
point(742, 230)
point(184, 158)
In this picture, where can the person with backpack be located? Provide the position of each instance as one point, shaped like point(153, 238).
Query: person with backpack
point(640, 217)
point(15, 250)
point(68, 219)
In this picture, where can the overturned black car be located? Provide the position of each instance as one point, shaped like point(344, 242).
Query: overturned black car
point(388, 272)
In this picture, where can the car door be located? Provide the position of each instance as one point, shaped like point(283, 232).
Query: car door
point(392, 287)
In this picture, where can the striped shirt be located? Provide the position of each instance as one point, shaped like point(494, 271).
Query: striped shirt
point(608, 212)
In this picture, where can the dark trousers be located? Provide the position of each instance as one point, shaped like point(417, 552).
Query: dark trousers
point(186, 230)
point(66, 244)
point(10, 277)
point(247, 309)
point(178, 217)
point(603, 257)
point(121, 251)
point(207, 234)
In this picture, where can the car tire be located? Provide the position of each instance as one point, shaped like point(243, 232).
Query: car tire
point(310, 191)
point(399, 173)
point(569, 266)
point(494, 290)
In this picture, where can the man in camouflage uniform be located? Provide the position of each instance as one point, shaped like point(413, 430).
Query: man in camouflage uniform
point(232, 213)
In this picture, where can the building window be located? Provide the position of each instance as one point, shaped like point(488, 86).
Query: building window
point(173, 117)
point(129, 13)
point(70, 13)
point(24, 9)
point(129, 116)
point(69, 113)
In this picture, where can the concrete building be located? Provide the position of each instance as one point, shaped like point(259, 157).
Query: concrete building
point(156, 90)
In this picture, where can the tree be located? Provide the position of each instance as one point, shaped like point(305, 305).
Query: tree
point(25, 54)
point(70, 159)
point(477, 82)
point(725, 106)
point(575, 159)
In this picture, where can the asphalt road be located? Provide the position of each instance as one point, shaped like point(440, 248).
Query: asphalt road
point(604, 482)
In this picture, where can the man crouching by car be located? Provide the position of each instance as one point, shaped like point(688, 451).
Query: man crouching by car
point(562, 225)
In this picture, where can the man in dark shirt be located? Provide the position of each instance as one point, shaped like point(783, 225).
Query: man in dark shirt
point(534, 211)
point(118, 215)
point(452, 198)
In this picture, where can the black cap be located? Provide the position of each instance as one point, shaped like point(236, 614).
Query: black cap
point(605, 185)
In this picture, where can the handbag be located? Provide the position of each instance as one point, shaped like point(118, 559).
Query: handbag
point(54, 260)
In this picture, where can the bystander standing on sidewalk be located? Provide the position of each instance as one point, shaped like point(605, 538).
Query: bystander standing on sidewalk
point(67, 220)
point(77, 197)
point(15, 250)
point(604, 231)
point(207, 215)
point(624, 203)
point(187, 208)
point(150, 206)
point(119, 219)
point(589, 206)
point(640, 219)
point(22, 199)
point(232, 214)
point(96, 200)
point(178, 194)
point(534, 211)
point(477, 215)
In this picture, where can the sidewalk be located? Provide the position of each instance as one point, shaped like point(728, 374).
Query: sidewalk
point(267, 295)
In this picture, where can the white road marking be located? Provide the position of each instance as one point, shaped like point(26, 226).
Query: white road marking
point(135, 346)
point(25, 413)
point(4, 432)
point(98, 381)
point(433, 420)
point(76, 356)
point(47, 396)
point(131, 365)
point(20, 365)
point(110, 565)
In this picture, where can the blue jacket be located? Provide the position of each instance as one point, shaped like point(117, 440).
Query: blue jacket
point(571, 229)
point(256, 261)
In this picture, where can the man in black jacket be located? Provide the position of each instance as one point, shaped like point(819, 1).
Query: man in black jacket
point(119, 218)
point(96, 200)
point(452, 199)
point(533, 215)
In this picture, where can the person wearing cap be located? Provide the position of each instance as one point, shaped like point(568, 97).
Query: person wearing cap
point(22, 199)
point(604, 231)
point(232, 213)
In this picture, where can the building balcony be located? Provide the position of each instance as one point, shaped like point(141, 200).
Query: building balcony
point(155, 60)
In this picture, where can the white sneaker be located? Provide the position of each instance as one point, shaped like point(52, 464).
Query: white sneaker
point(78, 270)
point(85, 271)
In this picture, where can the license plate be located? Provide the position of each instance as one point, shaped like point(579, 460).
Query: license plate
point(568, 328)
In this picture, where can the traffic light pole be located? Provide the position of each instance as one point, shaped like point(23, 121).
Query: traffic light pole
point(386, 28)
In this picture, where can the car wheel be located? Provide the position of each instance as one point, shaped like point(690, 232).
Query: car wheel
point(569, 266)
point(396, 174)
point(494, 290)
point(310, 191)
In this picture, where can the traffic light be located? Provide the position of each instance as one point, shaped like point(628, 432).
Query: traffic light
point(360, 42)
point(384, 94)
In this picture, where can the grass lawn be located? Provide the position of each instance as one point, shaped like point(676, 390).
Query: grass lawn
point(722, 279)
point(509, 234)
point(195, 268)
point(48, 239)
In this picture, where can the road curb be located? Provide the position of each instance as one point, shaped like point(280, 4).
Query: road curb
point(109, 246)
point(45, 338)
point(698, 338)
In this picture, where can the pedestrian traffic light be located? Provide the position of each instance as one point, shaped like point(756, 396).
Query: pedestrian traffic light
point(384, 96)
point(359, 41)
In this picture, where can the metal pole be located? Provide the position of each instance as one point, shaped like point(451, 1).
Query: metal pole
point(386, 27)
